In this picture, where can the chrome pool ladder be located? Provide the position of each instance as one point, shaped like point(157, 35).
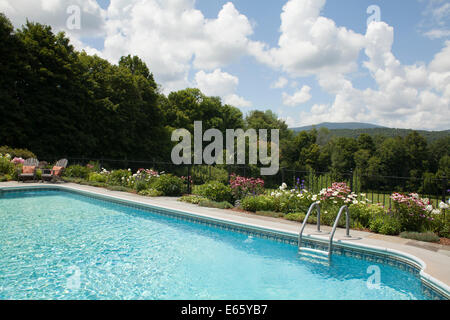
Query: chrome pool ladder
point(333, 231)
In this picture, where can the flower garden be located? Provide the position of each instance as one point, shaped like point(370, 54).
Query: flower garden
point(410, 215)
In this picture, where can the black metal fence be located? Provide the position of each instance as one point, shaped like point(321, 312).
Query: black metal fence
point(376, 188)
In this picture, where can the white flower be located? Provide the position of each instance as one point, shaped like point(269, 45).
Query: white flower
point(429, 208)
point(314, 198)
point(355, 201)
point(443, 205)
point(436, 211)
point(283, 186)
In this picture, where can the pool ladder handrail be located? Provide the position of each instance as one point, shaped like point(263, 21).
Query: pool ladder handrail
point(330, 245)
point(313, 206)
point(347, 227)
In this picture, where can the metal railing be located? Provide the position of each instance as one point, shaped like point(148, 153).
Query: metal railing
point(316, 206)
point(347, 226)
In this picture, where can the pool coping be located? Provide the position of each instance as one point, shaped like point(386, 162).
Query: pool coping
point(433, 287)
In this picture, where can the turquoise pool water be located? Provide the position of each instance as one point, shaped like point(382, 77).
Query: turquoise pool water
point(61, 245)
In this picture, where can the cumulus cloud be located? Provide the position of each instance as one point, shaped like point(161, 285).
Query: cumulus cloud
point(310, 43)
point(172, 36)
point(408, 96)
point(221, 84)
point(299, 97)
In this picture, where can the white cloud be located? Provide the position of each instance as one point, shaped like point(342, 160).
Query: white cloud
point(438, 33)
point(310, 43)
point(408, 96)
point(54, 13)
point(436, 19)
point(173, 36)
point(221, 84)
point(280, 83)
point(301, 96)
point(237, 101)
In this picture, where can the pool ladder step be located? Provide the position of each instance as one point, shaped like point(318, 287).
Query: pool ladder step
point(330, 244)
point(315, 256)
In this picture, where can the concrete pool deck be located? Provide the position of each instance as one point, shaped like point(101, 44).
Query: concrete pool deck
point(435, 256)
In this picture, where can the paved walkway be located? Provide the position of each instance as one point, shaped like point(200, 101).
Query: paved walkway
point(435, 256)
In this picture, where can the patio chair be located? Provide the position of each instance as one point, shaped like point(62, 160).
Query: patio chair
point(56, 172)
point(29, 169)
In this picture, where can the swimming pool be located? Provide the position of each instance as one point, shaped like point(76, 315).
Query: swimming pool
point(57, 244)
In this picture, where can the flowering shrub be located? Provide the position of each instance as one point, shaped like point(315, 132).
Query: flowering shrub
point(242, 186)
point(413, 212)
point(119, 177)
point(17, 161)
point(142, 179)
point(339, 193)
point(288, 201)
point(6, 166)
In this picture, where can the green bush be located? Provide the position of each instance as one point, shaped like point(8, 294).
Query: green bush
point(19, 153)
point(391, 226)
point(192, 199)
point(215, 191)
point(169, 185)
point(411, 212)
point(258, 203)
point(97, 177)
point(386, 224)
point(215, 204)
point(441, 225)
point(141, 185)
point(77, 171)
point(150, 193)
point(6, 166)
point(119, 177)
point(376, 224)
point(425, 236)
point(361, 214)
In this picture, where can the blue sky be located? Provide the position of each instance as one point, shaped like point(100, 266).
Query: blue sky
point(410, 45)
point(329, 65)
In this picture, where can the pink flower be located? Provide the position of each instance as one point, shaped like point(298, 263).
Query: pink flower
point(18, 160)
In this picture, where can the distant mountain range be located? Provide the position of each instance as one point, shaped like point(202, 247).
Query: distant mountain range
point(339, 125)
point(354, 129)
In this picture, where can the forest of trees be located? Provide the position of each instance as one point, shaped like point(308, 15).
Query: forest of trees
point(56, 101)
